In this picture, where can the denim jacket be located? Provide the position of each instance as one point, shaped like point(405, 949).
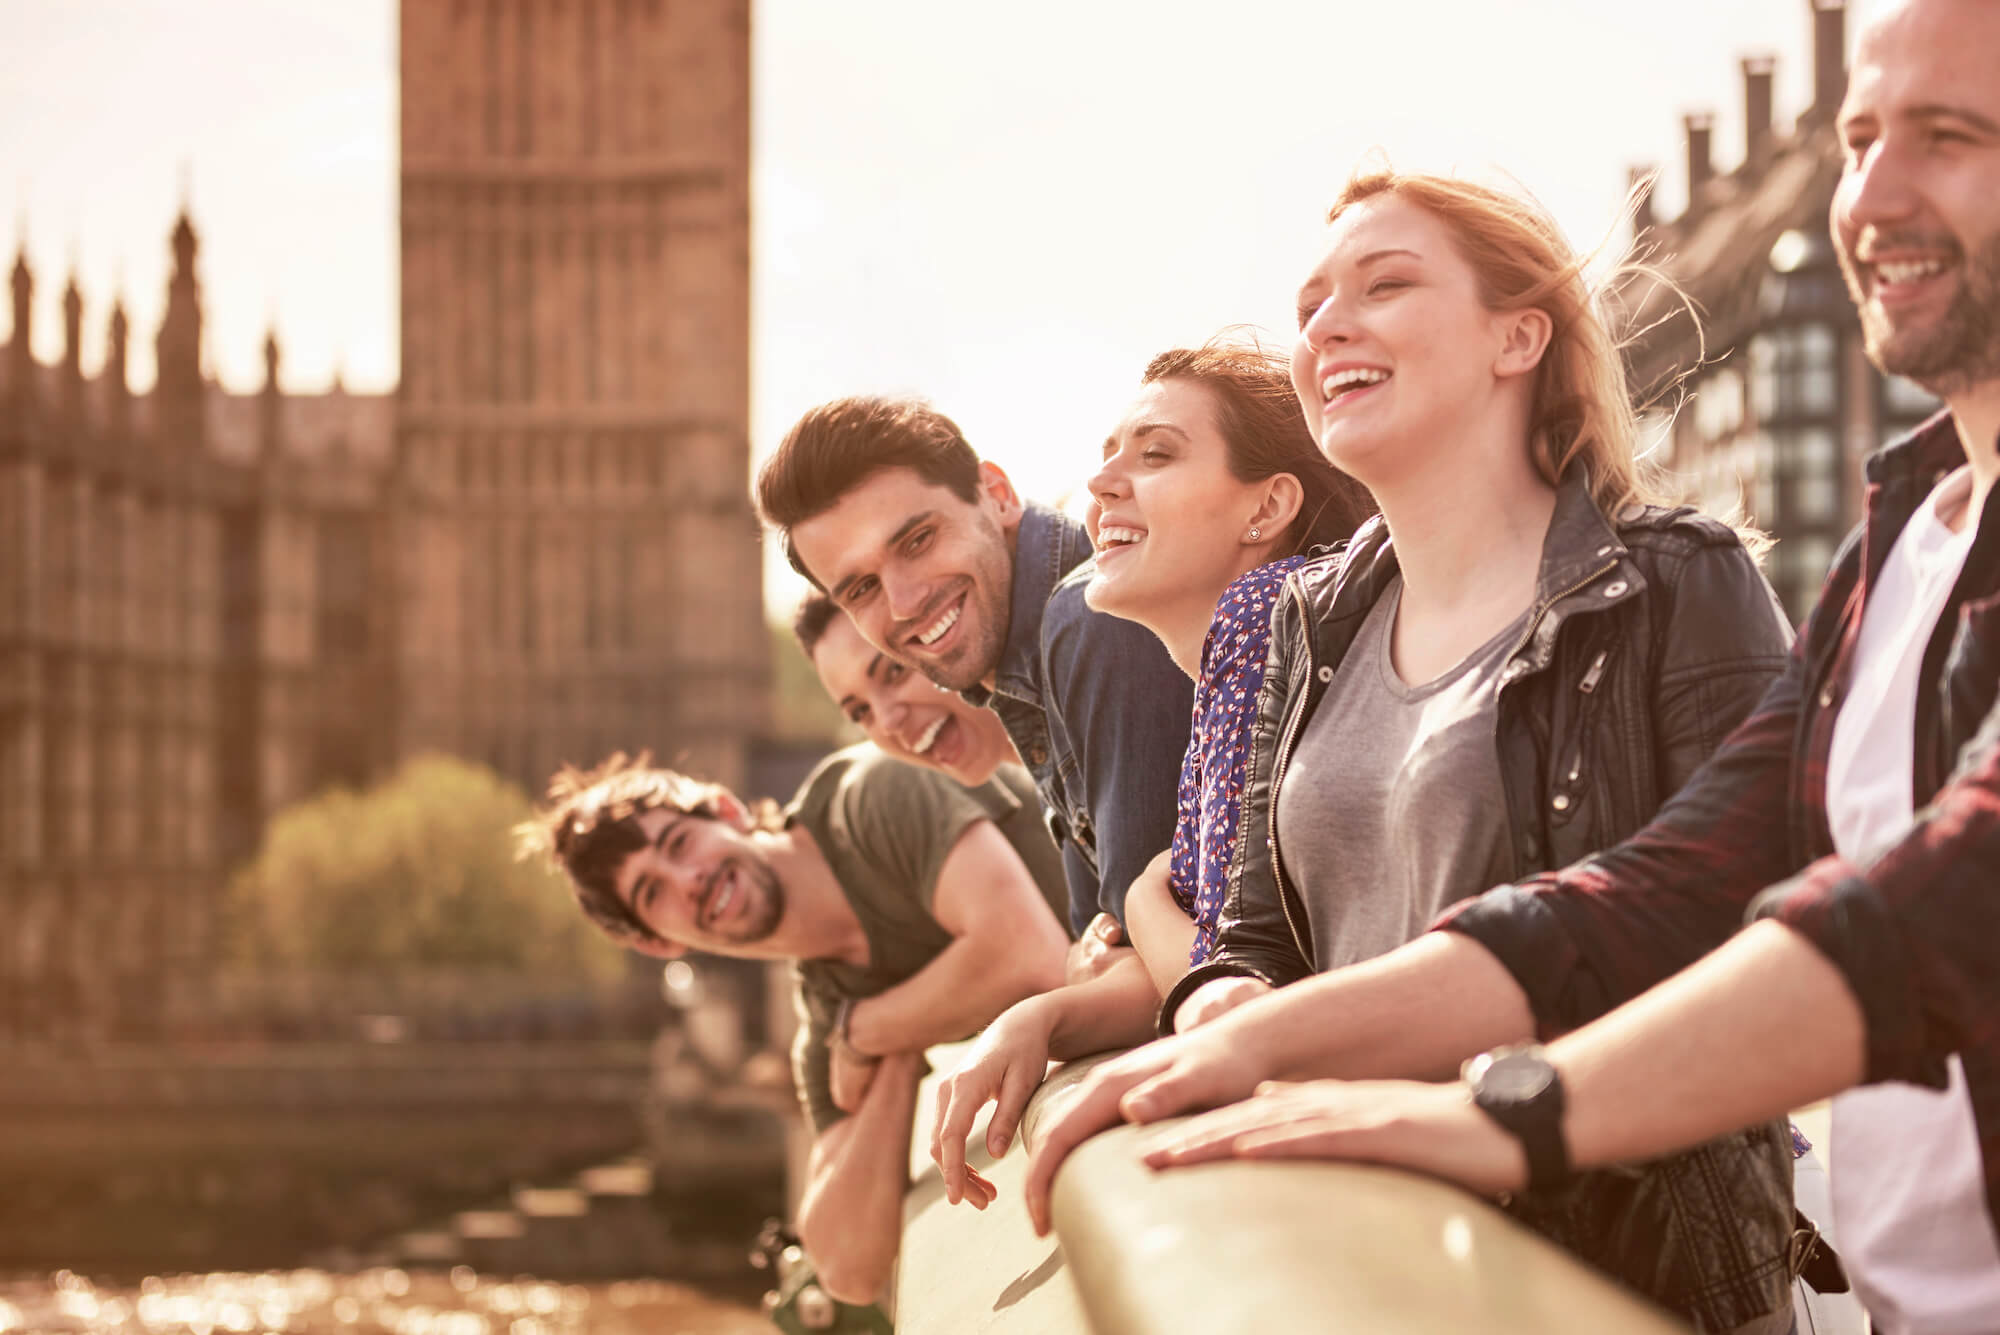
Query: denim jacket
point(1098, 712)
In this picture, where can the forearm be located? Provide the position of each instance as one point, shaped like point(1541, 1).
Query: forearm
point(1759, 1027)
point(1157, 927)
point(851, 1212)
point(972, 980)
point(1415, 1013)
point(1113, 1010)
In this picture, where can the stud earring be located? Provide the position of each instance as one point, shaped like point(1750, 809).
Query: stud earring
point(1254, 535)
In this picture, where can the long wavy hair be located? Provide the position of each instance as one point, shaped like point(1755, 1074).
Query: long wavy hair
point(1582, 410)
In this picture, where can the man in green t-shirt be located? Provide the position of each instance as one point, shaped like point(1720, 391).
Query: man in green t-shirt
point(914, 910)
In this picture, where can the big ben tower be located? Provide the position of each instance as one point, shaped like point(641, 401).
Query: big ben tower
point(577, 561)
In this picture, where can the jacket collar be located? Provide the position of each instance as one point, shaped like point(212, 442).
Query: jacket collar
point(1047, 546)
point(1899, 476)
point(1580, 544)
point(1918, 458)
point(1583, 568)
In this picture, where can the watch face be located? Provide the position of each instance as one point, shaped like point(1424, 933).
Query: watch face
point(1516, 1077)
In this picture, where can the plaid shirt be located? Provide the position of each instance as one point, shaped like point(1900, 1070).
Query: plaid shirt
point(1916, 933)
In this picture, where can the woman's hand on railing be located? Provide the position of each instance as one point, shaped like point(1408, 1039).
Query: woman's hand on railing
point(1205, 1068)
point(1003, 1067)
point(1434, 1129)
point(1213, 1000)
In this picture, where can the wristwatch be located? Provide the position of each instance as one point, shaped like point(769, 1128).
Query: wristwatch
point(1519, 1088)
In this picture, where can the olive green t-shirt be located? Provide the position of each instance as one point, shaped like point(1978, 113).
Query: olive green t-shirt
point(885, 829)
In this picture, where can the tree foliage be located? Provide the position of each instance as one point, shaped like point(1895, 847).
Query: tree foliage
point(417, 870)
point(800, 709)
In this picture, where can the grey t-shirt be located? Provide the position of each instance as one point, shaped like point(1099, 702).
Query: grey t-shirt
point(1392, 805)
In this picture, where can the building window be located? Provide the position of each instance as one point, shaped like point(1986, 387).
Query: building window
point(1718, 406)
point(1795, 372)
point(1816, 369)
point(1757, 470)
point(1815, 497)
point(1803, 567)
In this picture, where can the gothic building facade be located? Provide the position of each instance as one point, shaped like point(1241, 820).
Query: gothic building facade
point(581, 569)
point(537, 550)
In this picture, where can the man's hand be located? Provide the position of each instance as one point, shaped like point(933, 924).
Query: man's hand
point(850, 1073)
point(1004, 1066)
point(1212, 1000)
point(1101, 946)
point(1433, 1129)
point(1163, 1079)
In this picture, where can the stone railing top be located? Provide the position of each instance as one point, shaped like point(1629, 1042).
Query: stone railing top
point(1239, 1246)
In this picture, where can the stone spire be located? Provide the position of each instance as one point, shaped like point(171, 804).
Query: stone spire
point(270, 404)
point(24, 304)
point(118, 397)
point(180, 393)
point(72, 362)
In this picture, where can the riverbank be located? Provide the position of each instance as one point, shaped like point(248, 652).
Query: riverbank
point(364, 1302)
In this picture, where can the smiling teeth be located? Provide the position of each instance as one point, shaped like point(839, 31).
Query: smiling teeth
point(1114, 536)
point(924, 743)
point(939, 627)
point(1340, 381)
point(1909, 271)
point(719, 899)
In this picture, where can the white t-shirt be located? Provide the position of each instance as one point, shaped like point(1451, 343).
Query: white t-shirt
point(1909, 1187)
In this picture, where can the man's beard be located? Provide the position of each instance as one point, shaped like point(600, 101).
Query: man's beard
point(1960, 348)
point(758, 877)
point(974, 659)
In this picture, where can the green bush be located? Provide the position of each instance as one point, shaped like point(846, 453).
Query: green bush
point(417, 870)
point(800, 709)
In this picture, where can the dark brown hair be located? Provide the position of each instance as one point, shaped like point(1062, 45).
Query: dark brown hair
point(589, 825)
point(1258, 412)
point(839, 445)
point(809, 623)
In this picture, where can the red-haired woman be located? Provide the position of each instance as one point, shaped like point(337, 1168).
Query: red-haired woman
point(1513, 667)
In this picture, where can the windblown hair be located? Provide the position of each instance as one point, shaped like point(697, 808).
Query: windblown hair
point(1582, 408)
point(837, 446)
point(1258, 412)
point(589, 824)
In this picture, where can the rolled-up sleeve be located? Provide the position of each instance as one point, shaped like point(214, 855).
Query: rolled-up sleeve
point(1916, 934)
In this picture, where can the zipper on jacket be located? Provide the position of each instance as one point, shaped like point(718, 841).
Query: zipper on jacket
point(1536, 620)
point(1595, 672)
point(1591, 676)
point(1286, 740)
point(1561, 800)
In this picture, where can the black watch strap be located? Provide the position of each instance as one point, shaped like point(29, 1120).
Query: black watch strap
point(1520, 1089)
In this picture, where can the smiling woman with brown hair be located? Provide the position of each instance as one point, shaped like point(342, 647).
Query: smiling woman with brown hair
point(1512, 667)
point(1208, 492)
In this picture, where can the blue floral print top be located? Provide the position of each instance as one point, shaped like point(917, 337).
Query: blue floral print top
point(1218, 751)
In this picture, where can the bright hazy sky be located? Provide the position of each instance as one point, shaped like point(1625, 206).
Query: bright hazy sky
point(1009, 209)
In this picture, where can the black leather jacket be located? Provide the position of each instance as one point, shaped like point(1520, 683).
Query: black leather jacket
point(1651, 638)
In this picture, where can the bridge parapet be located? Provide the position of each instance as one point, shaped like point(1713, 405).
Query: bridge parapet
point(1237, 1246)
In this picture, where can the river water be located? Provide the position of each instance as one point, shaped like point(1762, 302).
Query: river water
point(362, 1302)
